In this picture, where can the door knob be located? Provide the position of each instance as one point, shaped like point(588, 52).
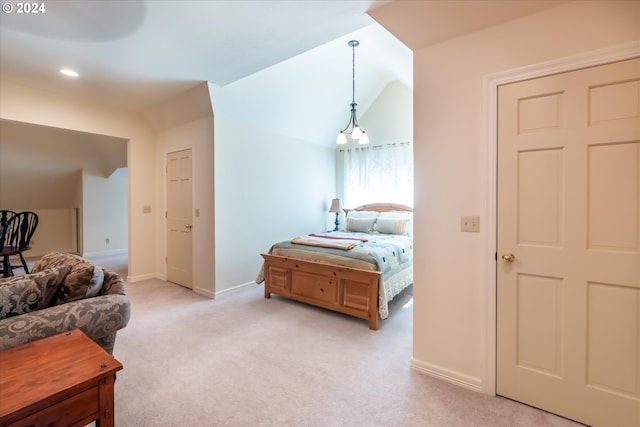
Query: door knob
point(188, 226)
point(508, 257)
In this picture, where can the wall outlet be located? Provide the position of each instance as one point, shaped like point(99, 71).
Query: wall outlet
point(470, 224)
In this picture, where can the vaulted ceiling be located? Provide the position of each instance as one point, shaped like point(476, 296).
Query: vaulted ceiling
point(133, 54)
point(286, 60)
point(136, 53)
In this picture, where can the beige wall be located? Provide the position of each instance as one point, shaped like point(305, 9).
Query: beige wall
point(198, 136)
point(451, 168)
point(55, 232)
point(24, 104)
point(99, 204)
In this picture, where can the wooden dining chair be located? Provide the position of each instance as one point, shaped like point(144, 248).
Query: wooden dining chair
point(5, 214)
point(16, 238)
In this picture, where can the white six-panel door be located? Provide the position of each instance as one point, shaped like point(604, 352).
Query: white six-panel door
point(179, 218)
point(568, 285)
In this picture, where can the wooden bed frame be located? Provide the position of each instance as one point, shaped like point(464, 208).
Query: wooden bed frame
point(346, 290)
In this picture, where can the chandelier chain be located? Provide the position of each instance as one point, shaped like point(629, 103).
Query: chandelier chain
point(353, 72)
point(356, 132)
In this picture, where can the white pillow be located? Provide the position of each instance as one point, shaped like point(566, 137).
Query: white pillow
point(359, 215)
point(360, 225)
point(399, 215)
point(392, 226)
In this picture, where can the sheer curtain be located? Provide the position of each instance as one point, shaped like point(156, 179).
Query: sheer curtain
point(378, 173)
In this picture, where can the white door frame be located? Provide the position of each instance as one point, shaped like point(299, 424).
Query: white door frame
point(490, 143)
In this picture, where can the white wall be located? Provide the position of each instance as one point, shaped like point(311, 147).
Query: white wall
point(451, 167)
point(268, 188)
point(105, 213)
point(390, 117)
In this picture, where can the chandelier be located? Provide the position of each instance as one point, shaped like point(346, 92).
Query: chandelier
point(352, 128)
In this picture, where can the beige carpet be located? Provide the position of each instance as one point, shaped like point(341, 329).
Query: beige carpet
point(241, 360)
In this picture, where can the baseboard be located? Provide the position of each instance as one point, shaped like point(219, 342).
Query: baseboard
point(147, 276)
point(204, 292)
point(200, 291)
point(235, 288)
point(447, 375)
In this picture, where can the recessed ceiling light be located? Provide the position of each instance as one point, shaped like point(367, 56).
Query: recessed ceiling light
point(69, 72)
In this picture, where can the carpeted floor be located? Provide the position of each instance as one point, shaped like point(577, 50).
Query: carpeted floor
point(241, 360)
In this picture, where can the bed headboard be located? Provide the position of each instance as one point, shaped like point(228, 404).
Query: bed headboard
point(381, 207)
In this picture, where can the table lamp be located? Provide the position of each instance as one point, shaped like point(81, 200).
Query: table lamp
point(336, 206)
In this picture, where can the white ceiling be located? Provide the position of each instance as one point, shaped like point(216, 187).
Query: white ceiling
point(279, 64)
point(133, 54)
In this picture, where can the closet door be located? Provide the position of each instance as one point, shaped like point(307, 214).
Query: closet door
point(568, 292)
point(179, 219)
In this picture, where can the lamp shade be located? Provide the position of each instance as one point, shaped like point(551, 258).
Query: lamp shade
point(336, 206)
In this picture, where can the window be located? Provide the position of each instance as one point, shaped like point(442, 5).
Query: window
point(377, 173)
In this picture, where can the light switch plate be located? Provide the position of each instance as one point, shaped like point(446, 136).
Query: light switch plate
point(470, 224)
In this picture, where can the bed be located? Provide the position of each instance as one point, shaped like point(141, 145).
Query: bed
point(355, 271)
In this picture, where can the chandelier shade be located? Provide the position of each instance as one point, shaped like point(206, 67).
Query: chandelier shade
point(352, 128)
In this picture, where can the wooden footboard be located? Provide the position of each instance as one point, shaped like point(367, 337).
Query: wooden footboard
point(346, 290)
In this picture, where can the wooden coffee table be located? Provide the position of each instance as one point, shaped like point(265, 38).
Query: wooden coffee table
point(63, 380)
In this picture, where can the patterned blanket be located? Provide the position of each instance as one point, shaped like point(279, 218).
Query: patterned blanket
point(390, 254)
